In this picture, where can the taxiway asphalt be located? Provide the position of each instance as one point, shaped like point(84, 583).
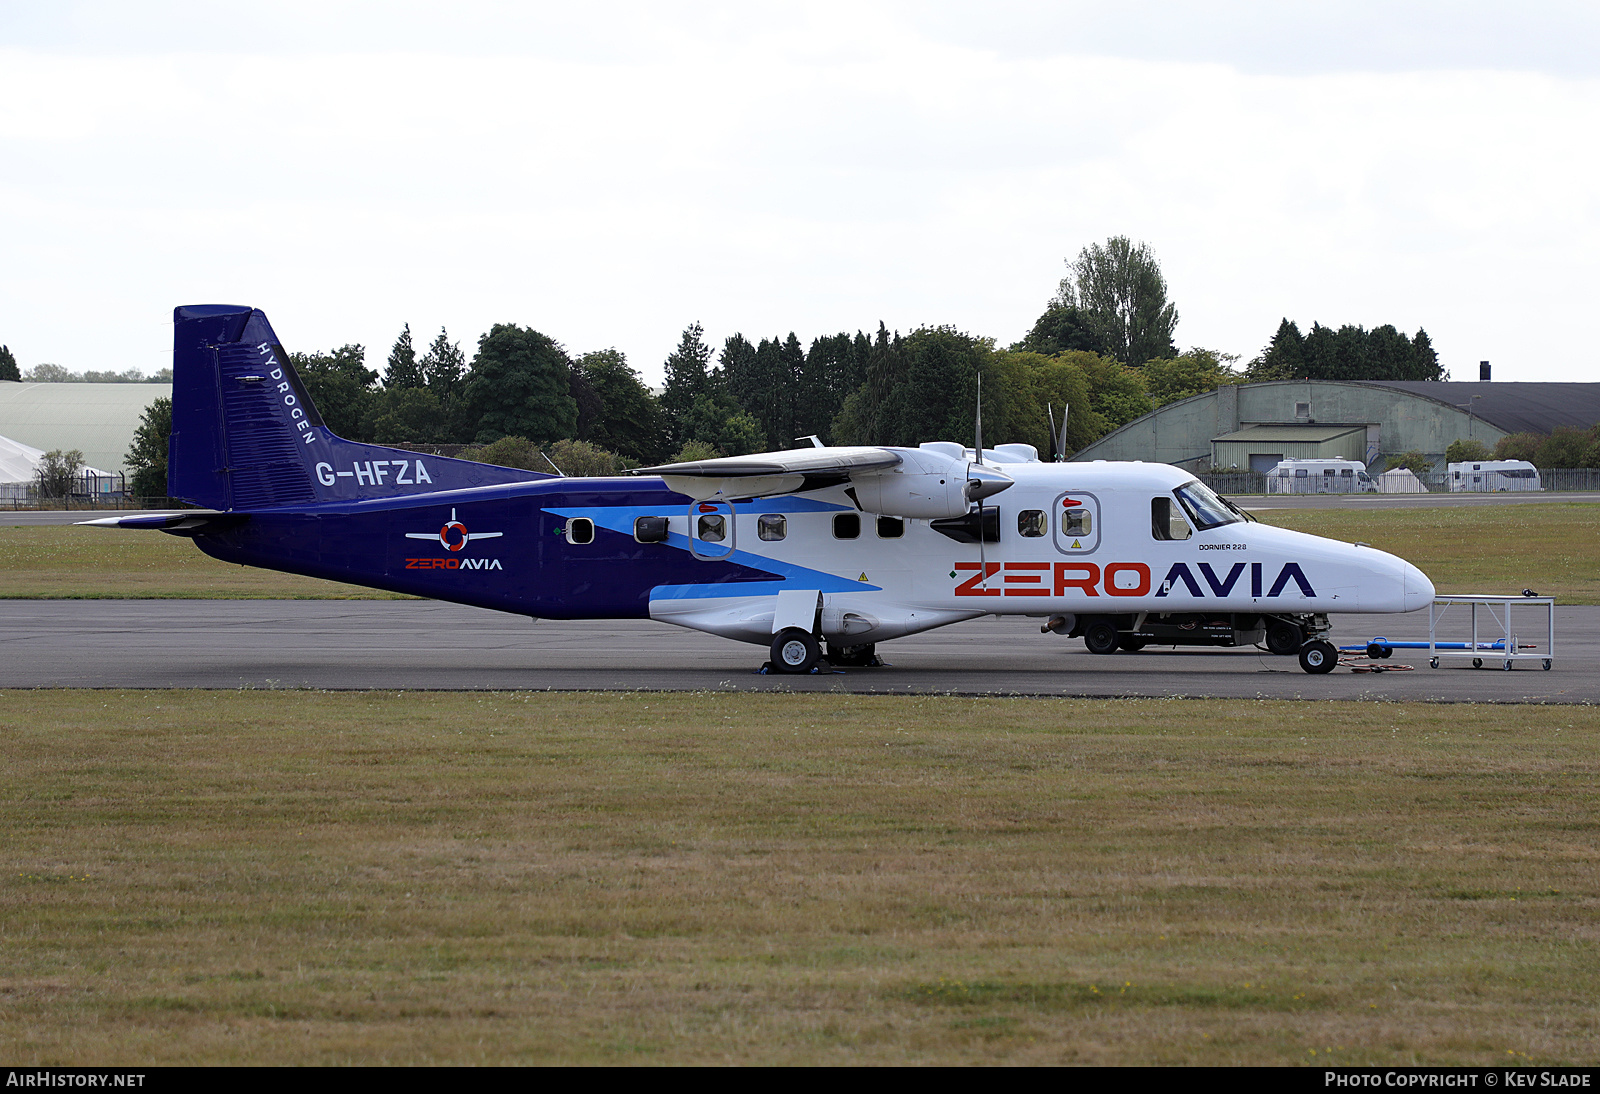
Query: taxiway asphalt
point(350, 644)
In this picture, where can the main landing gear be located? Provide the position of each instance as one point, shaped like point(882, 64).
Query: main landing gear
point(796, 652)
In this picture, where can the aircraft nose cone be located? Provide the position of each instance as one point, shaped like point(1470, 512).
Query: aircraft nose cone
point(1416, 590)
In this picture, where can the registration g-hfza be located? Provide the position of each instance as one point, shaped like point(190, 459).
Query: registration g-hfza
point(818, 552)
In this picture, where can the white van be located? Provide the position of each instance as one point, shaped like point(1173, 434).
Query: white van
point(1320, 477)
point(1494, 476)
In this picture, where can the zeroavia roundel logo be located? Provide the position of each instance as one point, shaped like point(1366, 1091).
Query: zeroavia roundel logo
point(453, 537)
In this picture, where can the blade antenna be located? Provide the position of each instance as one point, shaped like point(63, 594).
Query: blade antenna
point(1061, 445)
point(1055, 452)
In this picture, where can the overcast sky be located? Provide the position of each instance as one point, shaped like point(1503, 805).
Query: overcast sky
point(609, 172)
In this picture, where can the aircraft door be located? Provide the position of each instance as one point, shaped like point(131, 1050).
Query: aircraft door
point(711, 529)
point(1077, 523)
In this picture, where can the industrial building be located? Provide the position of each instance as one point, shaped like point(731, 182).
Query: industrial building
point(98, 420)
point(1253, 426)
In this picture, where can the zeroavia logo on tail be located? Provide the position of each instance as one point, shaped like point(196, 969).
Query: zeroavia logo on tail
point(454, 537)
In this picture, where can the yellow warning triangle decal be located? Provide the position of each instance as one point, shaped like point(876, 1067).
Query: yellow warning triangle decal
point(863, 577)
point(1075, 543)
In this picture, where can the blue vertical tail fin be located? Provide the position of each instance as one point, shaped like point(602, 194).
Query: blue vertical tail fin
point(245, 435)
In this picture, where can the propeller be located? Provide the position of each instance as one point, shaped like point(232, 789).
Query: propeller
point(1058, 441)
point(982, 482)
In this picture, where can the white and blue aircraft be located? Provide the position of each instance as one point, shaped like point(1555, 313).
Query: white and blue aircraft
point(818, 552)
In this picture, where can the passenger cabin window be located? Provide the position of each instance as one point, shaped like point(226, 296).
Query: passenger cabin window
point(1077, 523)
point(846, 526)
point(1166, 520)
point(1032, 523)
point(772, 527)
point(713, 528)
point(580, 530)
point(891, 527)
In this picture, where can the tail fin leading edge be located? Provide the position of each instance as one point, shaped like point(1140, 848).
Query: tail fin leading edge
point(245, 435)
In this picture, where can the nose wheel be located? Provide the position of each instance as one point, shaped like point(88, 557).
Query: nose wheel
point(1318, 657)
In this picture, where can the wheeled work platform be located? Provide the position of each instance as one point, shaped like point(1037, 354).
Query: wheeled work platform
point(1494, 637)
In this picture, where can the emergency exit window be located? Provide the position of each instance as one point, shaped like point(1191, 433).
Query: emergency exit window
point(713, 528)
point(1077, 522)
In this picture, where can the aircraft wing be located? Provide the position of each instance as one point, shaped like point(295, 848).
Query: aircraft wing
point(767, 473)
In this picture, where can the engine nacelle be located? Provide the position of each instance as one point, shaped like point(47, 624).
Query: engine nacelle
point(926, 486)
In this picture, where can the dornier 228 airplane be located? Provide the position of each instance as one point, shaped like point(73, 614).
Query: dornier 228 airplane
point(821, 551)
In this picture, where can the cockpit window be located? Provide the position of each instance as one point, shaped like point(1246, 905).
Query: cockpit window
point(1166, 521)
point(1205, 509)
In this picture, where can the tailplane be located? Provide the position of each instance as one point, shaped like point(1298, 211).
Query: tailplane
point(246, 436)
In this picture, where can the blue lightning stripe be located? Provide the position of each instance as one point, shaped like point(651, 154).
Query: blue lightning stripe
point(620, 518)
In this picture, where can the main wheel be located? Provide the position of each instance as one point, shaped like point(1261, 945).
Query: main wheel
point(1130, 643)
point(1318, 657)
point(1284, 638)
point(1101, 637)
point(853, 656)
point(795, 651)
point(1477, 662)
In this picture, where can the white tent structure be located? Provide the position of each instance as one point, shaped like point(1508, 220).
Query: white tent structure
point(19, 470)
point(1400, 481)
point(18, 462)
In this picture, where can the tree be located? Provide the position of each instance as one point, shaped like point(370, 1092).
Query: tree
point(1194, 373)
point(630, 421)
point(341, 386)
point(403, 370)
point(937, 400)
point(1123, 299)
point(47, 373)
point(406, 415)
point(1518, 446)
point(1061, 327)
point(444, 370)
point(8, 365)
point(1412, 461)
point(1564, 447)
point(686, 380)
point(58, 472)
point(147, 456)
point(520, 385)
point(1465, 451)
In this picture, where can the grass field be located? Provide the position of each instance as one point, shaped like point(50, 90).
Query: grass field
point(1552, 548)
point(301, 877)
point(67, 562)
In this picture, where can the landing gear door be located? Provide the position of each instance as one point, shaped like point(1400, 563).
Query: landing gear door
point(1077, 523)
point(711, 529)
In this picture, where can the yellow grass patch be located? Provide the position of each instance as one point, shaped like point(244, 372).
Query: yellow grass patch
point(535, 878)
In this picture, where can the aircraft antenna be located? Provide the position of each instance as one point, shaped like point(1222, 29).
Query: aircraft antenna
point(1058, 441)
point(552, 463)
point(977, 444)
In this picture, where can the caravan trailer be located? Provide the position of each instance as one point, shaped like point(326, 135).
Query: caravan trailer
point(1494, 476)
point(1320, 477)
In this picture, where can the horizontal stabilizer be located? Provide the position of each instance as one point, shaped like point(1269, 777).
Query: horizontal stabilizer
point(189, 522)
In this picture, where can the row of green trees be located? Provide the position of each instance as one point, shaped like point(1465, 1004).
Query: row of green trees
point(1349, 353)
